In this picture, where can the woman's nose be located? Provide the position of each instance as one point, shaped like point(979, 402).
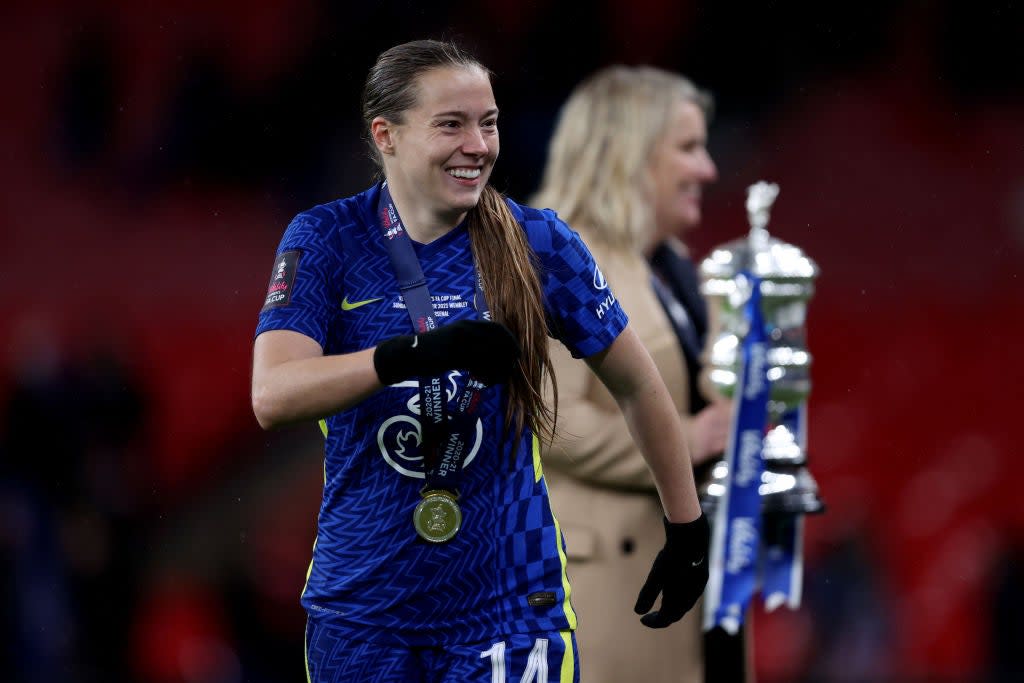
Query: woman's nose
point(474, 142)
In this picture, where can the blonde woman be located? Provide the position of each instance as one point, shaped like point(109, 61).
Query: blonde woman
point(626, 166)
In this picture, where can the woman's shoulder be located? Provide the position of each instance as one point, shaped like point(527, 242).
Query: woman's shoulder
point(543, 227)
point(524, 213)
point(355, 211)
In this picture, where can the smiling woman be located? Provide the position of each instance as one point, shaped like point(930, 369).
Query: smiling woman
point(438, 157)
point(412, 321)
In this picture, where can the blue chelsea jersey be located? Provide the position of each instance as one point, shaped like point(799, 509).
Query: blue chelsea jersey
point(504, 572)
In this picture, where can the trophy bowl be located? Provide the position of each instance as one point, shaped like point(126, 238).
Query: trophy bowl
point(786, 283)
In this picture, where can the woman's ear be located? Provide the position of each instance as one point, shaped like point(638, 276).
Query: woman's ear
point(382, 132)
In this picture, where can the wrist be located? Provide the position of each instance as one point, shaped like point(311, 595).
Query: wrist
point(684, 511)
point(394, 360)
point(696, 531)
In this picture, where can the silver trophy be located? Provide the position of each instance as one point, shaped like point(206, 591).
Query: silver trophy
point(787, 283)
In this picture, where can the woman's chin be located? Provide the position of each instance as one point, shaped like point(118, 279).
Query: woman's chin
point(466, 200)
point(687, 220)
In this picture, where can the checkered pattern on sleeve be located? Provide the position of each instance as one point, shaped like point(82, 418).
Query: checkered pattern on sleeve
point(582, 310)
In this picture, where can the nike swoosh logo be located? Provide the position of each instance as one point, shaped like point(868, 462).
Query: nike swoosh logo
point(347, 305)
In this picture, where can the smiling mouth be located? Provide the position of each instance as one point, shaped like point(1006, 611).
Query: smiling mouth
point(465, 173)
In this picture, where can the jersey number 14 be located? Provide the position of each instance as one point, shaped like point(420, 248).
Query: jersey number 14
point(536, 664)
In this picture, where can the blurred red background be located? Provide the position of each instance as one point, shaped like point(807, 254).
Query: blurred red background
point(152, 155)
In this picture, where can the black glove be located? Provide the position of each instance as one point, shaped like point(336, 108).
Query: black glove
point(680, 573)
point(487, 349)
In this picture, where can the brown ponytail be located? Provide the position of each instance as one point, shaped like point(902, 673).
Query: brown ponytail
point(511, 284)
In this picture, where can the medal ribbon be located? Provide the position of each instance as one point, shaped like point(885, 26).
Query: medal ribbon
point(736, 532)
point(444, 446)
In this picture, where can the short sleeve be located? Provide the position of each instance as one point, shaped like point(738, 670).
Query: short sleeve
point(300, 292)
point(583, 313)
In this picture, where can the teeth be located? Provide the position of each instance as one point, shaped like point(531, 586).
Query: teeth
point(464, 172)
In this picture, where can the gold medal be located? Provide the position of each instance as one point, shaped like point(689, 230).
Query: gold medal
point(437, 517)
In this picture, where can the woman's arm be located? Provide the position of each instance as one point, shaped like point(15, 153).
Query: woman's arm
point(680, 570)
point(593, 443)
point(628, 372)
point(293, 380)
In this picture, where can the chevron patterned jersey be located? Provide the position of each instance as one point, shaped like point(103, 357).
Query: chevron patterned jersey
point(504, 572)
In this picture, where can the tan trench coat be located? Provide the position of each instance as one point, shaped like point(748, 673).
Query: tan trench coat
point(604, 499)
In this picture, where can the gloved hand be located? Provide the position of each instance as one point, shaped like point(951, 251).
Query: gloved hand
point(487, 349)
point(680, 573)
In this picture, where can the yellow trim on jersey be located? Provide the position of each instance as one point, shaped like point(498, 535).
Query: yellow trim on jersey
point(538, 471)
point(309, 569)
point(568, 671)
point(323, 427)
point(566, 588)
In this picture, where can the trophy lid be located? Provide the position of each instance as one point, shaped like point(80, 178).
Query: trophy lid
point(759, 254)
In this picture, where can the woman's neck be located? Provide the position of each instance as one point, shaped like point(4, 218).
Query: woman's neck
point(423, 224)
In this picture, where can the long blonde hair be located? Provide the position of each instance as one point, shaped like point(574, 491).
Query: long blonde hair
point(596, 175)
point(500, 249)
